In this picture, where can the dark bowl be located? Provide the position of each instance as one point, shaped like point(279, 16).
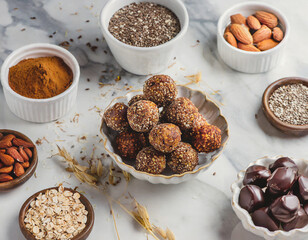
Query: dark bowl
point(30, 170)
point(81, 236)
point(276, 122)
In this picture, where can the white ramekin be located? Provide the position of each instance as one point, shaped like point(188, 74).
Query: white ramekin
point(40, 110)
point(143, 60)
point(244, 61)
point(243, 215)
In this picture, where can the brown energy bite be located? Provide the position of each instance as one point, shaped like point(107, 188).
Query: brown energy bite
point(129, 143)
point(136, 98)
point(143, 116)
point(116, 117)
point(150, 160)
point(183, 159)
point(165, 137)
point(160, 89)
point(207, 138)
point(181, 112)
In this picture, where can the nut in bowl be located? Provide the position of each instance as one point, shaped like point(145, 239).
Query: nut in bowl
point(167, 144)
point(270, 198)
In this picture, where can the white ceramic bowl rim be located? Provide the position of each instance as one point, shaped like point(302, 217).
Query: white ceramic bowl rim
point(261, 4)
point(5, 65)
point(178, 36)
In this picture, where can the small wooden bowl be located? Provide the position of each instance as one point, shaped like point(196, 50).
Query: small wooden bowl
point(276, 122)
point(81, 236)
point(30, 170)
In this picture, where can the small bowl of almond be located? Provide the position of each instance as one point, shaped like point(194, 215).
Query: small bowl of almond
point(18, 159)
point(251, 37)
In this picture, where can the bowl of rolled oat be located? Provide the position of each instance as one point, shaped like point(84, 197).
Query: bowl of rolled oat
point(56, 213)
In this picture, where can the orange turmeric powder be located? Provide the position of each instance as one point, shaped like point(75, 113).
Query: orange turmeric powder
point(42, 77)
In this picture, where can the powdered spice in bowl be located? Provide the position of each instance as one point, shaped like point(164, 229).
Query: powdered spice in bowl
point(42, 77)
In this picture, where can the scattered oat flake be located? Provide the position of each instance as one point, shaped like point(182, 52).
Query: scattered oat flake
point(170, 66)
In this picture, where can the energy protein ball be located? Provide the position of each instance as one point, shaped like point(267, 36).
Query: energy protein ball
point(143, 116)
point(136, 98)
point(207, 138)
point(116, 117)
point(151, 161)
point(160, 89)
point(181, 112)
point(183, 159)
point(165, 137)
point(129, 143)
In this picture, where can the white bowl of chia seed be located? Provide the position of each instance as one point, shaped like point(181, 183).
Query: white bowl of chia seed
point(143, 35)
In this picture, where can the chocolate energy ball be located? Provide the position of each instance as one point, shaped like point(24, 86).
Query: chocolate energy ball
point(207, 138)
point(183, 159)
point(116, 117)
point(181, 112)
point(160, 89)
point(143, 116)
point(129, 143)
point(150, 160)
point(165, 137)
point(136, 98)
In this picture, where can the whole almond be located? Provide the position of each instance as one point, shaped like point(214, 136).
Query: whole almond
point(19, 142)
point(267, 44)
point(29, 152)
point(238, 18)
point(6, 169)
point(7, 160)
point(23, 154)
point(2, 150)
point(18, 170)
point(1, 136)
point(25, 164)
point(6, 141)
point(277, 34)
point(5, 177)
point(253, 23)
point(230, 39)
point(15, 154)
point(249, 47)
point(241, 34)
point(263, 33)
point(227, 29)
point(267, 18)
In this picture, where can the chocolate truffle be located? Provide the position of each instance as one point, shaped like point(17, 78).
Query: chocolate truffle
point(182, 113)
point(300, 221)
point(303, 187)
point(136, 98)
point(263, 218)
point(257, 175)
point(143, 116)
point(116, 117)
point(285, 208)
point(281, 180)
point(251, 198)
point(183, 159)
point(207, 138)
point(129, 143)
point(283, 162)
point(165, 137)
point(150, 160)
point(160, 89)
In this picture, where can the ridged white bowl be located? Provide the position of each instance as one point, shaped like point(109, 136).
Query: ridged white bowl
point(243, 215)
point(206, 107)
point(40, 110)
point(250, 62)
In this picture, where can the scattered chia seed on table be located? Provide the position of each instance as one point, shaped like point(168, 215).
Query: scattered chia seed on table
point(290, 104)
point(144, 24)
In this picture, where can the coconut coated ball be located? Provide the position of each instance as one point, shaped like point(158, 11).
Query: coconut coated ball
point(150, 160)
point(116, 117)
point(143, 116)
point(129, 143)
point(207, 138)
point(165, 137)
point(160, 89)
point(183, 159)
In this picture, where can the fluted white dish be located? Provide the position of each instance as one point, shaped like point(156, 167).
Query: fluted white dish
point(143, 60)
point(245, 61)
point(243, 215)
point(40, 110)
point(205, 106)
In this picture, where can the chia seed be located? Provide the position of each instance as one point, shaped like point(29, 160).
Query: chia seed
point(289, 103)
point(144, 24)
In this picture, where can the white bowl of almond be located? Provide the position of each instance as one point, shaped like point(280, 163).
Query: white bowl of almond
point(251, 37)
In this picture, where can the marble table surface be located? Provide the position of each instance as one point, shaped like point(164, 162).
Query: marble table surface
point(198, 209)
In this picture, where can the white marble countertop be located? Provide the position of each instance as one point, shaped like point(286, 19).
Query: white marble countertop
point(198, 209)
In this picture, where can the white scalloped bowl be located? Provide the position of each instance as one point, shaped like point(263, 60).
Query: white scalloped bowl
point(206, 107)
point(243, 215)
